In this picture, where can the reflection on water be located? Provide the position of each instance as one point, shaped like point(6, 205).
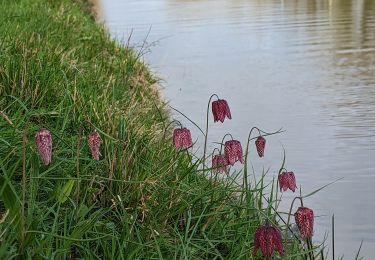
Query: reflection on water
point(305, 65)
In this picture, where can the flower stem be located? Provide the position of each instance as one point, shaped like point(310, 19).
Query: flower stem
point(168, 125)
point(287, 223)
point(24, 142)
point(206, 133)
point(77, 163)
point(245, 181)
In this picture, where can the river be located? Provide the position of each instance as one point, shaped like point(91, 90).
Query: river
point(305, 65)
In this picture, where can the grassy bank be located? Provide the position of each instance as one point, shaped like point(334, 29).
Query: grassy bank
point(142, 199)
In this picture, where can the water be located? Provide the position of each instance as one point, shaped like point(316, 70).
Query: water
point(307, 66)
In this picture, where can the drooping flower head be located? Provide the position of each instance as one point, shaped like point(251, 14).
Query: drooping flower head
point(220, 110)
point(268, 238)
point(94, 141)
point(43, 140)
point(182, 138)
point(287, 180)
point(219, 163)
point(305, 221)
point(233, 151)
point(260, 143)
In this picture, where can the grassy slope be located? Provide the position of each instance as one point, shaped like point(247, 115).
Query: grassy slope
point(59, 71)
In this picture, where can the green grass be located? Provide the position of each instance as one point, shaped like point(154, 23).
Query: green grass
point(143, 199)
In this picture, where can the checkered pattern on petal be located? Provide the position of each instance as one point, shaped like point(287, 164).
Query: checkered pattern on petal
point(219, 163)
point(283, 181)
point(229, 152)
point(277, 240)
point(182, 138)
point(176, 138)
point(260, 144)
point(186, 138)
point(287, 180)
point(220, 110)
point(94, 142)
point(268, 238)
point(292, 181)
point(43, 140)
point(239, 152)
point(233, 151)
point(305, 221)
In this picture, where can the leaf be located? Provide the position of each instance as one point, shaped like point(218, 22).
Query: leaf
point(317, 190)
point(64, 192)
point(83, 227)
point(12, 203)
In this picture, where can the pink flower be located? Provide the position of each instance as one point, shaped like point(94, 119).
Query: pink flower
point(220, 110)
point(219, 163)
point(43, 140)
point(260, 144)
point(94, 141)
point(287, 180)
point(268, 238)
point(305, 221)
point(182, 138)
point(233, 151)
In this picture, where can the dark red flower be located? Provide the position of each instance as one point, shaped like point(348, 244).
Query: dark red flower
point(219, 163)
point(182, 138)
point(43, 140)
point(220, 110)
point(94, 141)
point(233, 151)
point(305, 221)
point(268, 238)
point(260, 143)
point(287, 180)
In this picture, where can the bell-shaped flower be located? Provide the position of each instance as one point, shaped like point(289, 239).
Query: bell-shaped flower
point(182, 138)
point(219, 163)
point(43, 140)
point(287, 180)
point(260, 144)
point(233, 151)
point(268, 238)
point(220, 110)
point(305, 221)
point(94, 142)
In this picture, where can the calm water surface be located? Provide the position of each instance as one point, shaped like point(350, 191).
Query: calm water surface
point(307, 66)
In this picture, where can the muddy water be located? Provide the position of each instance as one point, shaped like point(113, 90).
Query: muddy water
point(305, 65)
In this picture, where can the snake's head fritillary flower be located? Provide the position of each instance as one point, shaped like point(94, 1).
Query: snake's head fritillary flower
point(305, 221)
point(287, 180)
point(233, 151)
point(219, 163)
point(268, 238)
point(43, 140)
point(292, 181)
point(182, 138)
point(260, 144)
point(220, 110)
point(94, 141)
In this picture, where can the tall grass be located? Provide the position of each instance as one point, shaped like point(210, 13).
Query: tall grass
point(142, 199)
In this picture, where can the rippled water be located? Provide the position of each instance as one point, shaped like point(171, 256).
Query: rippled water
point(305, 65)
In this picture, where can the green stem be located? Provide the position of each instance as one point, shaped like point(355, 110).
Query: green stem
point(77, 163)
point(222, 140)
point(287, 223)
point(191, 121)
point(206, 132)
point(24, 141)
point(168, 125)
point(245, 181)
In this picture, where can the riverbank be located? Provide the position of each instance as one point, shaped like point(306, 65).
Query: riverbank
point(142, 199)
